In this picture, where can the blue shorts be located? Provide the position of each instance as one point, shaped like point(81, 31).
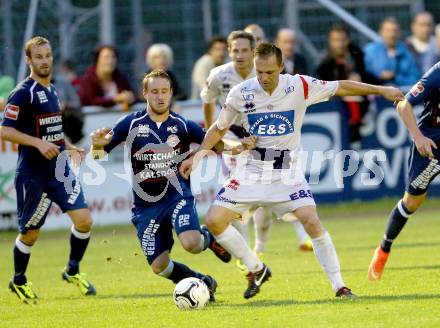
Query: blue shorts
point(422, 171)
point(155, 224)
point(35, 195)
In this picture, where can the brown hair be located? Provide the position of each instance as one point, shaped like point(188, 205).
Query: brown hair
point(35, 41)
point(265, 50)
point(99, 49)
point(234, 35)
point(155, 73)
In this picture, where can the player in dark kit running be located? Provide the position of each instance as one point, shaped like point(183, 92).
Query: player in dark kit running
point(157, 140)
point(32, 119)
point(424, 160)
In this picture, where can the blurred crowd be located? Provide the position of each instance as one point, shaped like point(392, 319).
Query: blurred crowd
point(391, 60)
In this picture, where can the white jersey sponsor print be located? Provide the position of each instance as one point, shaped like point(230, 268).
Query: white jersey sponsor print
point(276, 120)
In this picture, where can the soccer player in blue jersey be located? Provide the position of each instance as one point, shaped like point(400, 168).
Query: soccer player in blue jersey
point(423, 161)
point(32, 119)
point(157, 140)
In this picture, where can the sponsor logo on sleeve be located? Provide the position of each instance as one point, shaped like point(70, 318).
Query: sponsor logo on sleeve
point(417, 89)
point(12, 111)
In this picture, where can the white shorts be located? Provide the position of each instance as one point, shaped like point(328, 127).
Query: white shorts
point(276, 197)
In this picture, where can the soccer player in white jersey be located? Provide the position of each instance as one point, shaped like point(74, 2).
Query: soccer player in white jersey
point(272, 176)
point(221, 79)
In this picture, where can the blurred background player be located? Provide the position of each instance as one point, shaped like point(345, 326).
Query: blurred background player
point(423, 161)
point(33, 120)
point(220, 81)
point(271, 174)
point(157, 141)
point(215, 56)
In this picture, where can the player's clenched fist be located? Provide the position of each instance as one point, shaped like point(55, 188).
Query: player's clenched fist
point(101, 137)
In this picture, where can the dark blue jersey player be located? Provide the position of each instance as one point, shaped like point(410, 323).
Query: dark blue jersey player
point(156, 141)
point(32, 119)
point(424, 160)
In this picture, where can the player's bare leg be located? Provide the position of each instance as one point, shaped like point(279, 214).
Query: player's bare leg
point(263, 222)
point(324, 249)
point(79, 240)
point(218, 221)
point(396, 221)
point(304, 241)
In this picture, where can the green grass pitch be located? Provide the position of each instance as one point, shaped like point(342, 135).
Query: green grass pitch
point(298, 294)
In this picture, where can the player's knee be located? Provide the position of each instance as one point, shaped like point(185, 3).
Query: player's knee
point(210, 222)
point(412, 203)
point(30, 237)
point(312, 225)
point(84, 224)
point(192, 244)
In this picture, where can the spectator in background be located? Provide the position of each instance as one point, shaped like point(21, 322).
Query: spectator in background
point(294, 63)
point(70, 105)
point(6, 86)
point(216, 55)
point(345, 61)
point(160, 56)
point(389, 59)
point(66, 69)
point(103, 84)
point(422, 42)
point(258, 33)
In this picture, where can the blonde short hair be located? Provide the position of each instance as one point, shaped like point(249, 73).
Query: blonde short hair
point(160, 49)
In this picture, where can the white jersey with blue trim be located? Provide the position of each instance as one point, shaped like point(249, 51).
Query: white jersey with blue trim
point(275, 119)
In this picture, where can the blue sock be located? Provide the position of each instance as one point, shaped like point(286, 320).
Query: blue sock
point(78, 246)
point(396, 221)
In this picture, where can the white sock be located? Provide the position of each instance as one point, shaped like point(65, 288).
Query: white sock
point(22, 247)
point(327, 257)
point(301, 233)
point(168, 270)
point(263, 222)
point(243, 228)
point(234, 243)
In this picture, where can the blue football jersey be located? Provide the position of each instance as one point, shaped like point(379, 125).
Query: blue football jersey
point(427, 91)
point(155, 152)
point(35, 110)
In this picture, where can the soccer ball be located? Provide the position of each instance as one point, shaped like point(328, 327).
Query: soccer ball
point(191, 293)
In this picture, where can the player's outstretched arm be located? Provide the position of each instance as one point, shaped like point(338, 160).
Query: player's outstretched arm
point(46, 148)
point(423, 144)
point(209, 113)
point(212, 138)
point(99, 139)
point(354, 88)
point(235, 148)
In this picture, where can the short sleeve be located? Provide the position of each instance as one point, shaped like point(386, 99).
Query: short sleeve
point(424, 86)
point(211, 92)
point(195, 132)
point(119, 132)
point(316, 90)
point(16, 106)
